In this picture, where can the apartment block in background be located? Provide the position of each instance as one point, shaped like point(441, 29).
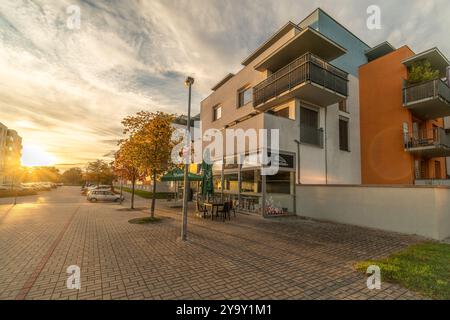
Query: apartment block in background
point(3, 137)
point(403, 139)
point(10, 154)
point(304, 82)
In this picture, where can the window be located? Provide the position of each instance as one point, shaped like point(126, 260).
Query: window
point(343, 135)
point(251, 181)
point(437, 170)
point(245, 96)
point(309, 117)
point(309, 131)
point(343, 106)
point(231, 182)
point(217, 113)
point(279, 183)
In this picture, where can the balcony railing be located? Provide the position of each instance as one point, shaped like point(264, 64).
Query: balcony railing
point(436, 137)
point(428, 90)
point(311, 135)
point(306, 68)
point(432, 182)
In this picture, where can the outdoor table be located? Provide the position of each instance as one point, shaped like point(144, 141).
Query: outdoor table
point(209, 205)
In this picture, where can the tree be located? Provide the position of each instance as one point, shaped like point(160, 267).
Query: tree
point(99, 172)
point(422, 71)
point(153, 134)
point(41, 174)
point(128, 163)
point(73, 176)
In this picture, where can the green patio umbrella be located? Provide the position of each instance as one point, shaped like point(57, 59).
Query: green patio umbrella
point(177, 174)
point(207, 178)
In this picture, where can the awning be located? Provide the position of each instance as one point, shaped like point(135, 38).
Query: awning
point(178, 175)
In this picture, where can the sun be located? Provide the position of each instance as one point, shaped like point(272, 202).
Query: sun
point(36, 156)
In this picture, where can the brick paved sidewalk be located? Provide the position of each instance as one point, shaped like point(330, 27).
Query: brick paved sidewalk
point(247, 258)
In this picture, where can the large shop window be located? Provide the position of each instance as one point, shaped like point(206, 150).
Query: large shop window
point(251, 181)
point(231, 182)
point(279, 183)
point(217, 182)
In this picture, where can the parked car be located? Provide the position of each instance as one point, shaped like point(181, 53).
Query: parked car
point(15, 187)
point(44, 186)
point(103, 195)
point(28, 186)
point(99, 188)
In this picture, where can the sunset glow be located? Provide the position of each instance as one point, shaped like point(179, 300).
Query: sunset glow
point(37, 156)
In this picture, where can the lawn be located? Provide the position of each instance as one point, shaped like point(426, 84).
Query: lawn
point(148, 195)
point(11, 194)
point(424, 268)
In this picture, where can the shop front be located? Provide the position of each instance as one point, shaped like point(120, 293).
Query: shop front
point(252, 192)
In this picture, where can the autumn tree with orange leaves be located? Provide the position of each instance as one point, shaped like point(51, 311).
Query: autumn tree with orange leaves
point(150, 145)
point(128, 163)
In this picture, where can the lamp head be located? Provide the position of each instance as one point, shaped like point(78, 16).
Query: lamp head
point(189, 81)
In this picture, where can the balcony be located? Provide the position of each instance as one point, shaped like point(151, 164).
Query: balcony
point(433, 143)
point(428, 100)
point(309, 78)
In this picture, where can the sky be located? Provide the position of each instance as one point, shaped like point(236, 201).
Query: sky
point(65, 90)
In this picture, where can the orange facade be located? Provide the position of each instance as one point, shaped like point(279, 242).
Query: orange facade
point(383, 157)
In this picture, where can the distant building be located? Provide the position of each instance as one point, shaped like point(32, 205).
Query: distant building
point(10, 153)
point(3, 135)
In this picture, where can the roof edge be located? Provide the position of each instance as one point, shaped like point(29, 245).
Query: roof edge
point(275, 37)
point(344, 50)
point(436, 49)
point(331, 17)
point(223, 81)
point(380, 45)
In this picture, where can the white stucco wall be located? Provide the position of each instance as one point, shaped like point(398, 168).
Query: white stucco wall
point(422, 211)
point(330, 164)
point(447, 126)
point(344, 167)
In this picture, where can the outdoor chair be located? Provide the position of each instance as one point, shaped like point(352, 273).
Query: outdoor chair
point(233, 207)
point(224, 211)
point(202, 209)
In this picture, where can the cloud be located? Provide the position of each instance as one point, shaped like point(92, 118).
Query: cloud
point(67, 90)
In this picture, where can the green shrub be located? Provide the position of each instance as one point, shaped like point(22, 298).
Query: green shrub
point(422, 71)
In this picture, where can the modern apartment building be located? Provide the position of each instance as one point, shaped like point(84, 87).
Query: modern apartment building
point(303, 81)
point(347, 113)
point(403, 138)
point(10, 153)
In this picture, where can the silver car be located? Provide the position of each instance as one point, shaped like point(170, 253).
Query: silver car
point(104, 195)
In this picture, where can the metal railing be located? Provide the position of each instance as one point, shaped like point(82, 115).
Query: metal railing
point(305, 68)
point(425, 138)
point(311, 135)
point(436, 88)
point(432, 182)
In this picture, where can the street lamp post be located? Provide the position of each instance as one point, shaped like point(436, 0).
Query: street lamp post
point(188, 82)
point(14, 189)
